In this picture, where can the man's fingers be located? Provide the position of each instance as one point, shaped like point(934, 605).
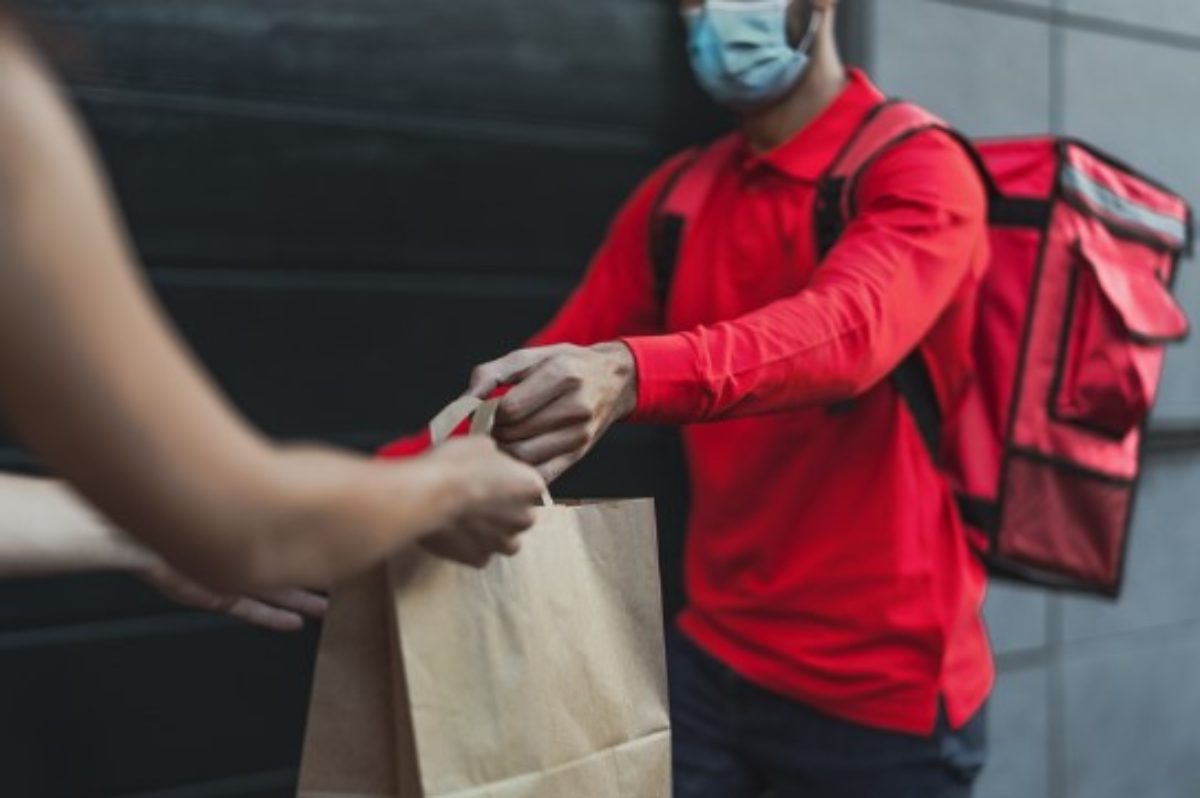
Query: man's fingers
point(488, 377)
point(542, 387)
point(565, 411)
point(544, 448)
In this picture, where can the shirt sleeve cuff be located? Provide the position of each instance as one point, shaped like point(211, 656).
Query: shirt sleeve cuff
point(667, 390)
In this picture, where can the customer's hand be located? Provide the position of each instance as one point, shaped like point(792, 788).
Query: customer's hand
point(279, 610)
point(494, 503)
point(565, 398)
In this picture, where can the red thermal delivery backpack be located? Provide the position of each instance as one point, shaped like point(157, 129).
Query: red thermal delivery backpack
point(1074, 314)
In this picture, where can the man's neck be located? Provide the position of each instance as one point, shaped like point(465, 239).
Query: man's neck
point(826, 78)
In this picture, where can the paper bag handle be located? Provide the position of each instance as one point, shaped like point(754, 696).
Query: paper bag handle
point(483, 419)
point(444, 423)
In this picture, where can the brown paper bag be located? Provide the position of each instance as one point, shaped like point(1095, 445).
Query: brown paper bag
point(541, 676)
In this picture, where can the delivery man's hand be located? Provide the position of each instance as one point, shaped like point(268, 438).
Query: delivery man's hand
point(564, 398)
point(493, 502)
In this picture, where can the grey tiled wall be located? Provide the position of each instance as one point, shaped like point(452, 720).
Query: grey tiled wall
point(1095, 699)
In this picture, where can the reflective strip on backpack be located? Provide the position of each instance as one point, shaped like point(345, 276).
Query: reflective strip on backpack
point(1123, 209)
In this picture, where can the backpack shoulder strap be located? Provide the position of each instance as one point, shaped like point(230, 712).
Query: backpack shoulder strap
point(888, 125)
point(686, 191)
point(679, 203)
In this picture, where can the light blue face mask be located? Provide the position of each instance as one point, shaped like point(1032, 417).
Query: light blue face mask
point(740, 51)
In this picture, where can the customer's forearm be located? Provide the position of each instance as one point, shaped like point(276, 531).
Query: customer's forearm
point(336, 514)
point(45, 529)
point(298, 536)
point(96, 382)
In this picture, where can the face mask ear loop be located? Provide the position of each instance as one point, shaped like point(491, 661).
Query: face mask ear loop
point(810, 35)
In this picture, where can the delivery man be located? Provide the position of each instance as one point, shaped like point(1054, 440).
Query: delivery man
point(832, 644)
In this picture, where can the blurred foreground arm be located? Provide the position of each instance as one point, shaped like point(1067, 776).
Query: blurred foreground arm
point(93, 379)
point(46, 531)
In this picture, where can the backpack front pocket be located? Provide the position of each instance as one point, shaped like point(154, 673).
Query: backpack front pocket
point(1119, 318)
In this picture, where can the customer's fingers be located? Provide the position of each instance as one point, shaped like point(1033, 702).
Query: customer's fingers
point(281, 611)
point(555, 468)
point(308, 603)
point(508, 519)
point(459, 548)
point(265, 616)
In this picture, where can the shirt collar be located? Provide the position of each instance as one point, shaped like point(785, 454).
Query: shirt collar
point(811, 151)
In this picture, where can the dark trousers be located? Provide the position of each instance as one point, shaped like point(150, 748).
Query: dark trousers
point(732, 739)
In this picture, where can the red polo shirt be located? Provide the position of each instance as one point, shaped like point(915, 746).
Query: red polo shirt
point(825, 559)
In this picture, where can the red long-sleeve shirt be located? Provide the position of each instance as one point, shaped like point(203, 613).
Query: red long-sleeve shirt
point(825, 559)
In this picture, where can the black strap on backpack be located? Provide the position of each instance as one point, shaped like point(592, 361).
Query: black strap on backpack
point(677, 206)
point(666, 235)
point(889, 124)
